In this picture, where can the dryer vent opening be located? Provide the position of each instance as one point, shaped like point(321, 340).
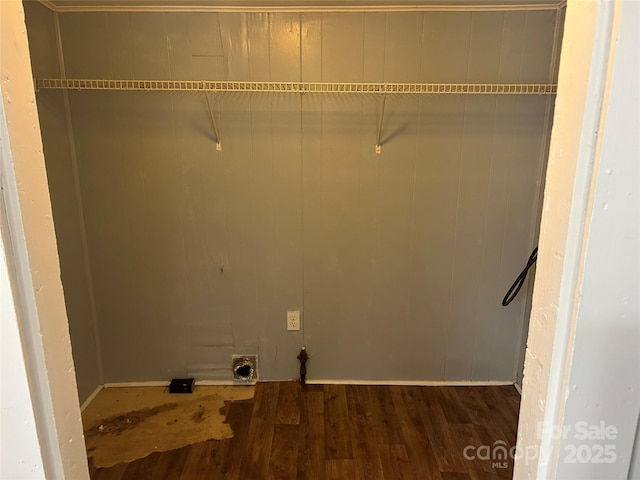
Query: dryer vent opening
point(244, 368)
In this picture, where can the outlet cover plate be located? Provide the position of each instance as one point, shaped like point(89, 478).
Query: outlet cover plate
point(293, 320)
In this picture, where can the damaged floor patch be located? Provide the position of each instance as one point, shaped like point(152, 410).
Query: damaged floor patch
point(124, 424)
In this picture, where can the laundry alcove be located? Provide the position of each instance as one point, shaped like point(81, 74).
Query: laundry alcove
point(176, 255)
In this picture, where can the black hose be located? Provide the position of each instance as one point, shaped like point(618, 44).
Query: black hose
point(517, 285)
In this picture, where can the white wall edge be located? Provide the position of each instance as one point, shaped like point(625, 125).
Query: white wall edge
point(31, 252)
point(536, 213)
point(90, 398)
point(319, 8)
point(518, 388)
point(582, 73)
point(577, 235)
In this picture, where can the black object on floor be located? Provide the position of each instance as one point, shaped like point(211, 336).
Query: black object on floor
point(182, 385)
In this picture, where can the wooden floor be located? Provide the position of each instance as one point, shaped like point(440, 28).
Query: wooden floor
point(347, 432)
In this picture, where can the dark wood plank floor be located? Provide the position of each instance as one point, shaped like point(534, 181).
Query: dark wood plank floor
point(347, 432)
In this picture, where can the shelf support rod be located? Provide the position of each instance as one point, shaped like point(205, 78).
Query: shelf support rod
point(213, 122)
point(379, 136)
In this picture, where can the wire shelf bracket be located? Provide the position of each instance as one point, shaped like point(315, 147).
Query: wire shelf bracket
point(379, 136)
point(213, 124)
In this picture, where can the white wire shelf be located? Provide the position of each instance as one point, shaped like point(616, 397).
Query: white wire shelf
point(297, 87)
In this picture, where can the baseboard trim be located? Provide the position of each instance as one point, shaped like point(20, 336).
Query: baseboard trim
point(418, 383)
point(518, 388)
point(165, 383)
point(160, 383)
point(90, 398)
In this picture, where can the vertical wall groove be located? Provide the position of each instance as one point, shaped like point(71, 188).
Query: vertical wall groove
point(79, 202)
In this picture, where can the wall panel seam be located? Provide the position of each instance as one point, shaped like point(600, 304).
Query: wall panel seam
point(79, 202)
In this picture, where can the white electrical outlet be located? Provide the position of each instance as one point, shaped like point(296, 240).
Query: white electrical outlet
point(293, 320)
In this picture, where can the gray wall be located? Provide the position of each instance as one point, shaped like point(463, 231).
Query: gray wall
point(64, 201)
point(398, 261)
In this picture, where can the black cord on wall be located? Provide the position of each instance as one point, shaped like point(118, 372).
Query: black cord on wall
point(517, 285)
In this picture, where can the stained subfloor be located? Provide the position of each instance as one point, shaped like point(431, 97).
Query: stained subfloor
point(125, 424)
